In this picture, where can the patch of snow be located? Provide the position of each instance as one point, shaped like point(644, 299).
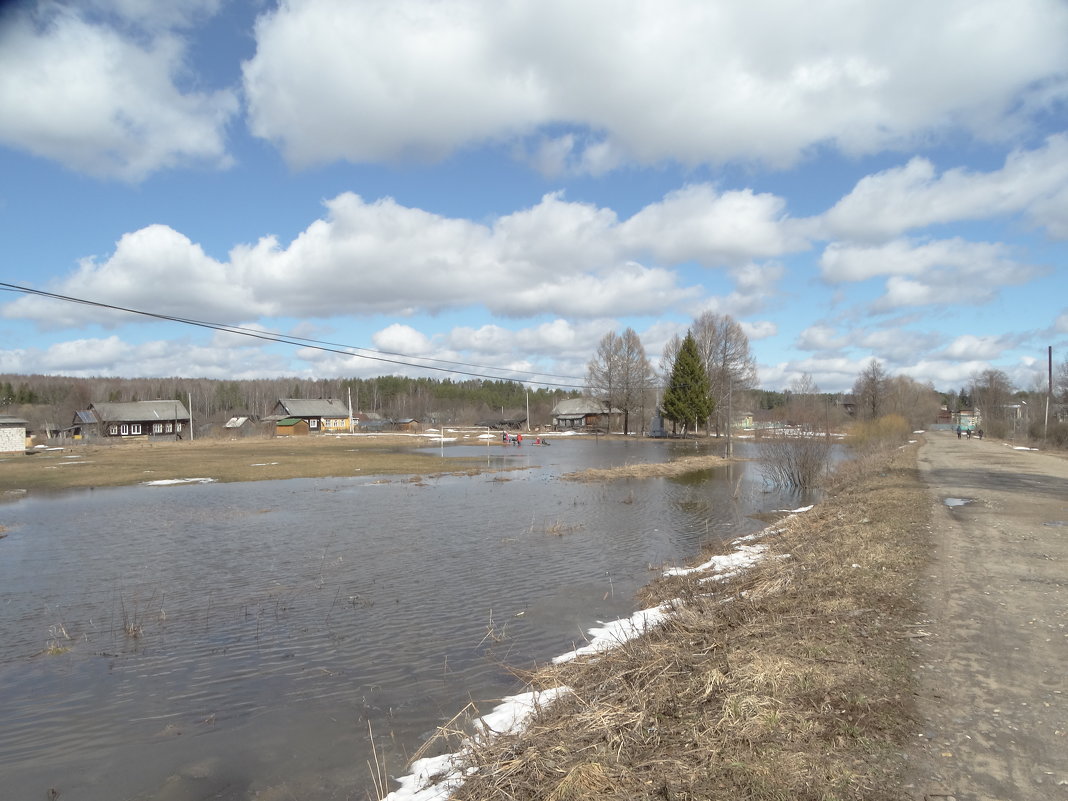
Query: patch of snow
point(730, 563)
point(617, 632)
point(956, 501)
point(509, 716)
point(163, 482)
point(262, 464)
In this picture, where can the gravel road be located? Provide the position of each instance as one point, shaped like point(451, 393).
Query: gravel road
point(993, 649)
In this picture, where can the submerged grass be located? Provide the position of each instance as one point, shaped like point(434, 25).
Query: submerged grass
point(790, 680)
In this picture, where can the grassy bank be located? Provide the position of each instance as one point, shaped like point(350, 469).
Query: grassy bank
point(253, 459)
point(788, 681)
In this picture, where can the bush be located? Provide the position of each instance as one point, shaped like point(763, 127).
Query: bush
point(1056, 437)
point(883, 432)
point(794, 457)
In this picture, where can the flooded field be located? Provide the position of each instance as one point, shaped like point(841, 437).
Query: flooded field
point(237, 641)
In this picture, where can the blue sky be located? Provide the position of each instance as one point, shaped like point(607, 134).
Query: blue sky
point(502, 183)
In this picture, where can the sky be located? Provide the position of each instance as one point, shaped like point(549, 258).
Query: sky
point(496, 185)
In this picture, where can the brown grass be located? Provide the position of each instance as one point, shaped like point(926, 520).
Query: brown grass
point(792, 681)
point(235, 460)
point(679, 467)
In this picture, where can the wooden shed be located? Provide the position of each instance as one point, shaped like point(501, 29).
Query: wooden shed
point(291, 427)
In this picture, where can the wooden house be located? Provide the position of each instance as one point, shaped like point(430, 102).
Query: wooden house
point(323, 416)
point(167, 419)
point(583, 414)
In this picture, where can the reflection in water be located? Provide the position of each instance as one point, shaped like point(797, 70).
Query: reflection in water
point(227, 640)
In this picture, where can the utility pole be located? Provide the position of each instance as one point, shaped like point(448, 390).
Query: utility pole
point(1049, 392)
point(730, 442)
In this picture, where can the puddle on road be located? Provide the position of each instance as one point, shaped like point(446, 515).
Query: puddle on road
point(951, 502)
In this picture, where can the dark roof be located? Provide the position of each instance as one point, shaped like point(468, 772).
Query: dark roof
point(140, 411)
point(12, 421)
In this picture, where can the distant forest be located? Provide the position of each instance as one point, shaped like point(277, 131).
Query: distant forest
point(47, 401)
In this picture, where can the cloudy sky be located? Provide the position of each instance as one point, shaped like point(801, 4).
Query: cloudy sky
point(496, 185)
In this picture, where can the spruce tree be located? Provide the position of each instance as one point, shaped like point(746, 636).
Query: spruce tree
point(686, 399)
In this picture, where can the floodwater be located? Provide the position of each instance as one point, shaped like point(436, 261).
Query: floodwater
point(239, 641)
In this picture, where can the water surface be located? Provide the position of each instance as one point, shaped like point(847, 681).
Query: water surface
point(237, 641)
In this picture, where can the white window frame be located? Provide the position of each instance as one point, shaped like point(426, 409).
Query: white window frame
point(113, 430)
point(135, 428)
point(313, 423)
point(157, 428)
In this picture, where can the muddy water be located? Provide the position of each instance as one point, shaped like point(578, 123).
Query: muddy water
point(237, 641)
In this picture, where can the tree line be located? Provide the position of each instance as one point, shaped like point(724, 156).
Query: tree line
point(51, 401)
point(698, 378)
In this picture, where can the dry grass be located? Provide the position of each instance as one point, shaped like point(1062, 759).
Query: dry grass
point(85, 465)
point(792, 681)
point(679, 467)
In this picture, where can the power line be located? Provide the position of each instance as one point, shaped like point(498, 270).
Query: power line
point(328, 347)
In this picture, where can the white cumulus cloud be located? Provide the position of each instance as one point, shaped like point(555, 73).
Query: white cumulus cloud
point(103, 102)
point(683, 80)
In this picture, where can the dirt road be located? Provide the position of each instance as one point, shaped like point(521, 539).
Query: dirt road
point(993, 676)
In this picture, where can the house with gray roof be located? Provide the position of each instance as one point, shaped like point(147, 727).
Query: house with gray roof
point(324, 416)
point(166, 419)
point(583, 414)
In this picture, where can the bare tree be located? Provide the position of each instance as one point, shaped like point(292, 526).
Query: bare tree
point(604, 369)
point(869, 391)
point(1060, 382)
point(918, 403)
point(991, 392)
point(620, 375)
point(636, 376)
point(728, 361)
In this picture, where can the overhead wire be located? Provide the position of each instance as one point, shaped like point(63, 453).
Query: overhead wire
point(405, 360)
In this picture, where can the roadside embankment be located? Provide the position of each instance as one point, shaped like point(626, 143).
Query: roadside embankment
point(791, 679)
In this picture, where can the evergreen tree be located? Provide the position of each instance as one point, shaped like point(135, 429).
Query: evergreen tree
point(687, 399)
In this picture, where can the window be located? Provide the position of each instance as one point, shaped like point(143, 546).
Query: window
point(157, 428)
point(113, 430)
point(170, 428)
point(178, 427)
point(135, 428)
point(313, 424)
point(125, 429)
